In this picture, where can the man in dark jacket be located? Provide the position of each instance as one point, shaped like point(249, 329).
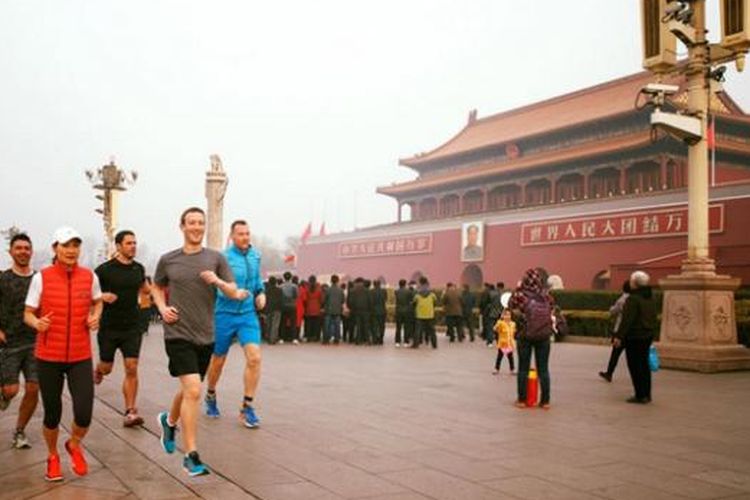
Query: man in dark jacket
point(378, 299)
point(273, 310)
point(637, 328)
point(491, 307)
point(346, 320)
point(404, 313)
point(289, 293)
point(358, 302)
point(453, 313)
point(468, 301)
point(334, 308)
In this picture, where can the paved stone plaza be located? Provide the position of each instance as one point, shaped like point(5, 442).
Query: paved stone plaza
point(397, 424)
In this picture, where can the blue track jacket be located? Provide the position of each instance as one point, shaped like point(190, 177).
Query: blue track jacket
point(246, 269)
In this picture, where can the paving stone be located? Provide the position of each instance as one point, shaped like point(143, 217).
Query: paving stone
point(731, 478)
point(441, 486)
point(666, 481)
point(632, 491)
point(533, 488)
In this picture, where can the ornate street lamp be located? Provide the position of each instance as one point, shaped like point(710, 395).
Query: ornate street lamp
point(110, 180)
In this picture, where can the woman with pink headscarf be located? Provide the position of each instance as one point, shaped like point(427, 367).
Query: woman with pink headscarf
point(533, 307)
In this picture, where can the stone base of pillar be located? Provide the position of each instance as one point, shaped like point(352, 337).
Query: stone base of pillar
point(705, 359)
point(698, 327)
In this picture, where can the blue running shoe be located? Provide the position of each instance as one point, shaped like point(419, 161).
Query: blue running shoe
point(212, 408)
point(193, 465)
point(167, 433)
point(249, 418)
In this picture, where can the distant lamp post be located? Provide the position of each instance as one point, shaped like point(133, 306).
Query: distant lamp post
point(110, 180)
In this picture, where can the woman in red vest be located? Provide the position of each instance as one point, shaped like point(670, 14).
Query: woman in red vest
point(63, 304)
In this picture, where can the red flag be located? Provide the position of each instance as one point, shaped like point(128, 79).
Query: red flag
point(711, 135)
point(323, 229)
point(306, 234)
point(289, 259)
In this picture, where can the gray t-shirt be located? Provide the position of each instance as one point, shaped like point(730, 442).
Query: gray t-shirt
point(194, 299)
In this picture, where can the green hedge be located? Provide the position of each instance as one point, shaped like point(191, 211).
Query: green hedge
point(592, 300)
point(598, 324)
point(742, 308)
point(743, 331)
point(588, 323)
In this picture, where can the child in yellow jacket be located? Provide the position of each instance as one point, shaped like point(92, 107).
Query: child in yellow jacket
point(505, 332)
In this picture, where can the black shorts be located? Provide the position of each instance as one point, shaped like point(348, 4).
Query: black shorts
point(17, 360)
point(127, 341)
point(186, 358)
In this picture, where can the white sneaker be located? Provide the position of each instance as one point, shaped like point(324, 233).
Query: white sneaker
point(398, 345)
point(20, 442)
point(281, 341)
point(295, 342)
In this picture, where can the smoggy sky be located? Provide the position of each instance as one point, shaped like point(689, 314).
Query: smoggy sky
point(309, 103)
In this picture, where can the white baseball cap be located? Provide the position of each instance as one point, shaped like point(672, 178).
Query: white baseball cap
point(64, 234)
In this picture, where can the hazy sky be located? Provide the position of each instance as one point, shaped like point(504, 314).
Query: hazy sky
point(309, 103)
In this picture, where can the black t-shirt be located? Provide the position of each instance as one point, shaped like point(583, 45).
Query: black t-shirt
point(13, 290)
point(124, 280)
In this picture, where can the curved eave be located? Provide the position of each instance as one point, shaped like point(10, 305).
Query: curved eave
point(420, 159)
point(540, 160)
point(422, 162)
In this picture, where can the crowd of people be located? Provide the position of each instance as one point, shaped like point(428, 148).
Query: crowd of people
point(356, 312)
point(209, 299)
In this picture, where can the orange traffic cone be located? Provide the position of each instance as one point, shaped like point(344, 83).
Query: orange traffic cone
point(532, 389)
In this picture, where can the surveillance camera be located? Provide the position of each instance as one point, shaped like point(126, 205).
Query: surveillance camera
point(684, 127)
point(654, 89)
point(678, 10)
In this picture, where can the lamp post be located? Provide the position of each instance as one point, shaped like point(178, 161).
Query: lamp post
point(110, 180)
point(698, 326)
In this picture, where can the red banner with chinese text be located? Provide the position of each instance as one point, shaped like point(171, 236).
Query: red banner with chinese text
point(385, 247)
point(626, 225)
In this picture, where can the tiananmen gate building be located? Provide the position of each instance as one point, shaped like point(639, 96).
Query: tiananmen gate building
point(577, 184)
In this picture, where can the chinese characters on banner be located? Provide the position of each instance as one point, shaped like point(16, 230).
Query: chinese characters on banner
point(621, 226)
point(401, 245)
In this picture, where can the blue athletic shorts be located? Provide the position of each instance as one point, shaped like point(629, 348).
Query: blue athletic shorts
point(245, 326)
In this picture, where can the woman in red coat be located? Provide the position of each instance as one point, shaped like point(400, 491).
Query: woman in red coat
point(301, 298)
point(63, 305)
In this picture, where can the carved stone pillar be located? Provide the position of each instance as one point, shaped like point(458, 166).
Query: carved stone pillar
point(216, 188)
point(623, 178)
point(663, 171)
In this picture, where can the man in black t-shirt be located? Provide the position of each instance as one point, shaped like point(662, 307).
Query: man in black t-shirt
point(121, 279)
point(17, 339)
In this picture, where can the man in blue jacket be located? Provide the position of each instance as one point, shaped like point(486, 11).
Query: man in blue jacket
point(240, 319)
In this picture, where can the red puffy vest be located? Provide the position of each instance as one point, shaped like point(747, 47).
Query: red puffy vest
point(66, 293)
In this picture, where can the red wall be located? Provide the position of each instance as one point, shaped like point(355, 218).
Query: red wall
point(505, 259)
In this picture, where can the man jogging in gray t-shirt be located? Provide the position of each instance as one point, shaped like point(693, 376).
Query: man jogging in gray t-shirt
point(189, 275)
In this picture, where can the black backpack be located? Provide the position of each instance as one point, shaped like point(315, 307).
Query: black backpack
point(538, 315)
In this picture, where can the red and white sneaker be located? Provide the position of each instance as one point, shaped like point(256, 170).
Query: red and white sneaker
point(77, 460)
point(54, 471)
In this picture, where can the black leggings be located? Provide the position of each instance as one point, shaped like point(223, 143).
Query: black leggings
point(499, 360)
point(80, 386)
